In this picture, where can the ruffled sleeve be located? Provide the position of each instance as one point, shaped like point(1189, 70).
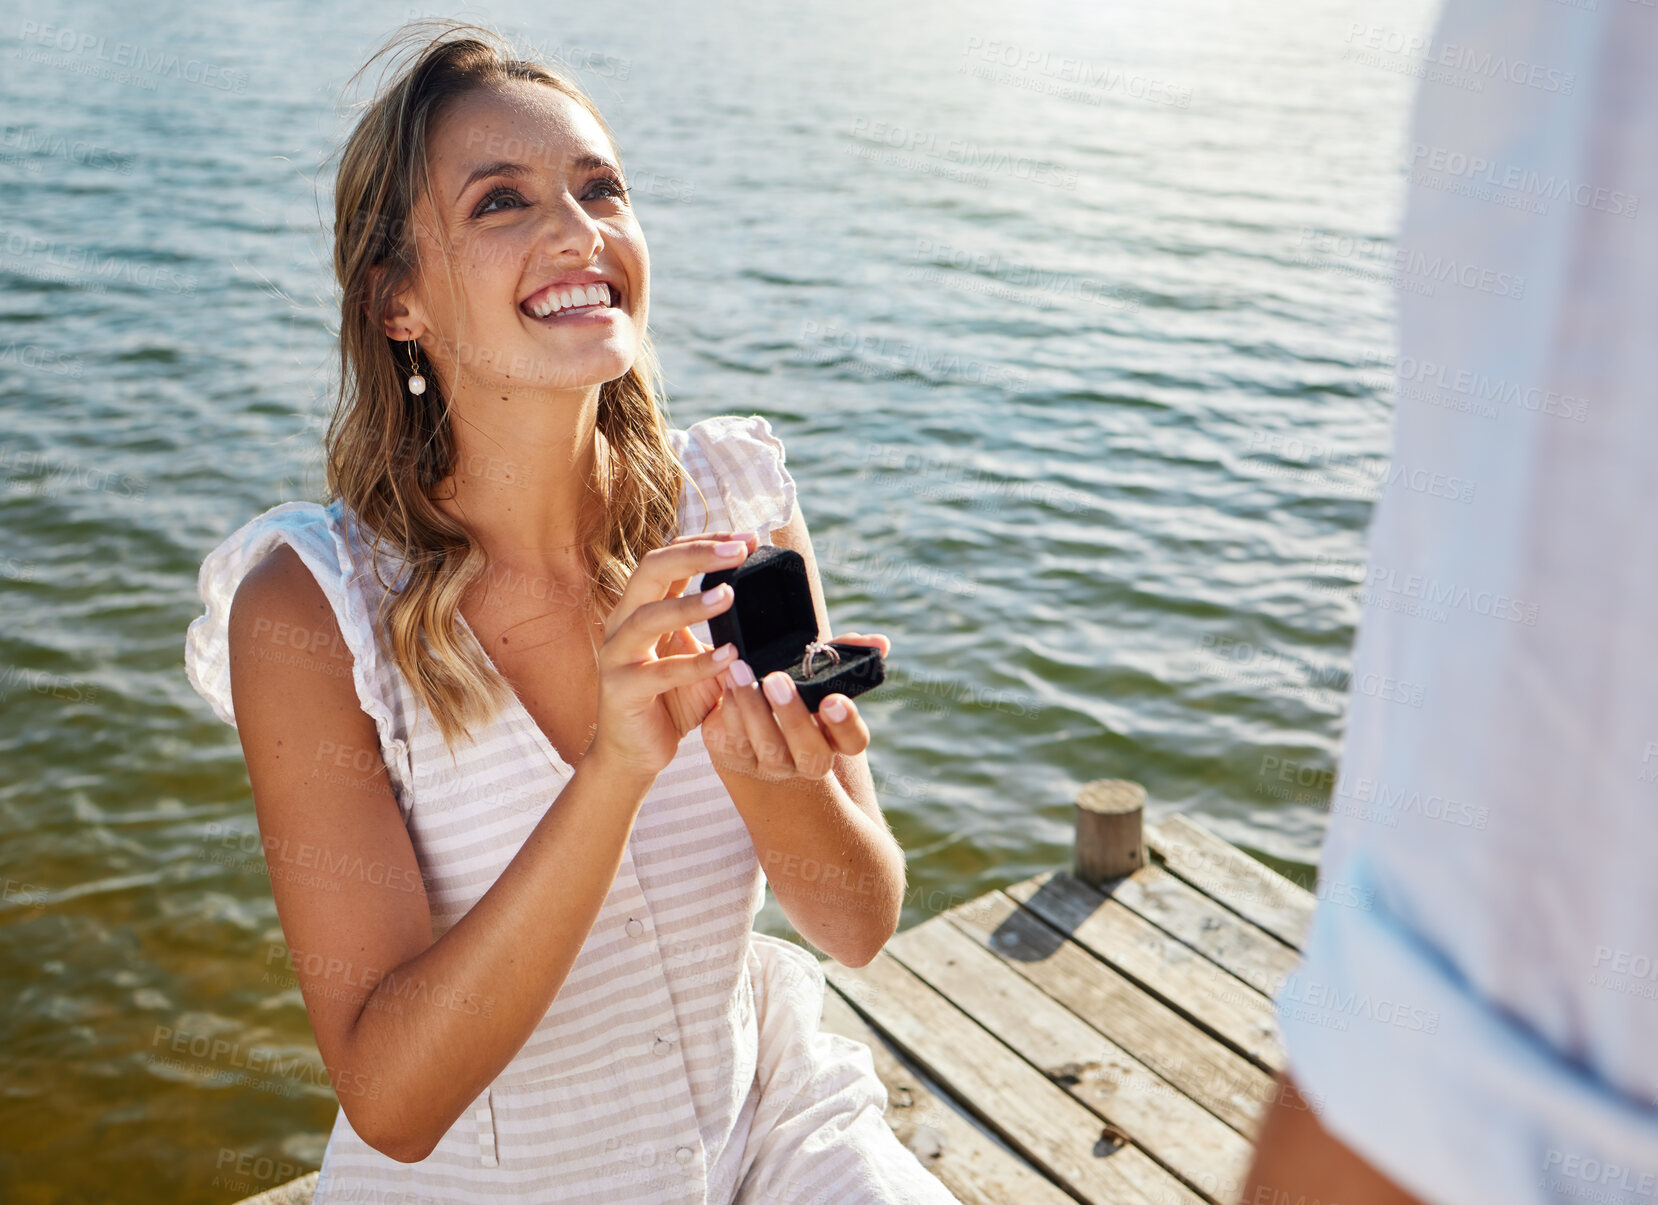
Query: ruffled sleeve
point(738, 463)
point(317, 534)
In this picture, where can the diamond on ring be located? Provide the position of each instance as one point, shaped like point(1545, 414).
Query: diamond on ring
point(812, 650)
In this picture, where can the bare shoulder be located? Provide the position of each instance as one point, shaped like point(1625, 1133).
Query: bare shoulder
point(280, 595)
point(285, 641)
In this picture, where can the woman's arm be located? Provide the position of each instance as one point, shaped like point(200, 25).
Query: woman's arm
point(405, 1060)
point(836, 869)
point(824, 845)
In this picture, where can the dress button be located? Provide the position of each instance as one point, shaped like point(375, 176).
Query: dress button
point(684, 1154)
point(662, 1046)
point(635, 929)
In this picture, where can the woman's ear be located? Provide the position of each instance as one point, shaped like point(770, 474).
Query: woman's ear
point(400, 321)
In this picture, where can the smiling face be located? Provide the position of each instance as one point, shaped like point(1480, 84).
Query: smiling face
point(545, 279)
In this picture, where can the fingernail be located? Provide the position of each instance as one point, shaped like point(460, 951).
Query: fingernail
point(779, 688)
point(714, 597)
point(834, 709)
point(730, 548)
point(741, 674)
point(724, 653)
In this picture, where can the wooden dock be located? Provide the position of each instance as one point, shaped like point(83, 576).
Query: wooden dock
point(1067, 1040)
point(1099, 1035)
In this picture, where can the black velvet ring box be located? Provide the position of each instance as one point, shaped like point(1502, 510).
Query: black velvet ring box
point(771, 621)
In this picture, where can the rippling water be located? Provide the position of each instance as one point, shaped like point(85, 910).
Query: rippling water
point(1077, 361)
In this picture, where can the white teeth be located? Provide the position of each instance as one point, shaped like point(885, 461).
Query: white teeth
point(595, 294)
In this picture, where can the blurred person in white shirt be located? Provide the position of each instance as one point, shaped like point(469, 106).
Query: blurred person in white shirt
point(1484, 1027)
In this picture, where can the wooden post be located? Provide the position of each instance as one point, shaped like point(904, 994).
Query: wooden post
point(1111, 837)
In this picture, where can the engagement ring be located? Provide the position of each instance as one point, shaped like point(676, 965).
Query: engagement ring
point(812, 650)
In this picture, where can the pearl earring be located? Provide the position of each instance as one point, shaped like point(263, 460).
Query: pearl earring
point(417, 383)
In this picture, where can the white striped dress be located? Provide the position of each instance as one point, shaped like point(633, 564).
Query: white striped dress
point(681, 1060)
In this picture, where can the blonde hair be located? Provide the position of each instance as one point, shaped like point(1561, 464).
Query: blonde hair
point(386, 448)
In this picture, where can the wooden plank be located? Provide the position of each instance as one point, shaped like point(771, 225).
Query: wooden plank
point(1213, 999)
point(1178, 1133)
point(955, 1146)
point(1067, 1143)
point(1232, 877)
point(1218, 1078)
point(1219, 934)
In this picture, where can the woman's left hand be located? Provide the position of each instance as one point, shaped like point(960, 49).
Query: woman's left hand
point(750, 732)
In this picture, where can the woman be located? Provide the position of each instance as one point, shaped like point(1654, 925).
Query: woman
point(516, 824)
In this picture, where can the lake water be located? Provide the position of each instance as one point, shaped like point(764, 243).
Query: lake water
point(1074, 320)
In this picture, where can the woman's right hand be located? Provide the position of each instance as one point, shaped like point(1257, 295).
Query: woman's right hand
point(641, 691)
